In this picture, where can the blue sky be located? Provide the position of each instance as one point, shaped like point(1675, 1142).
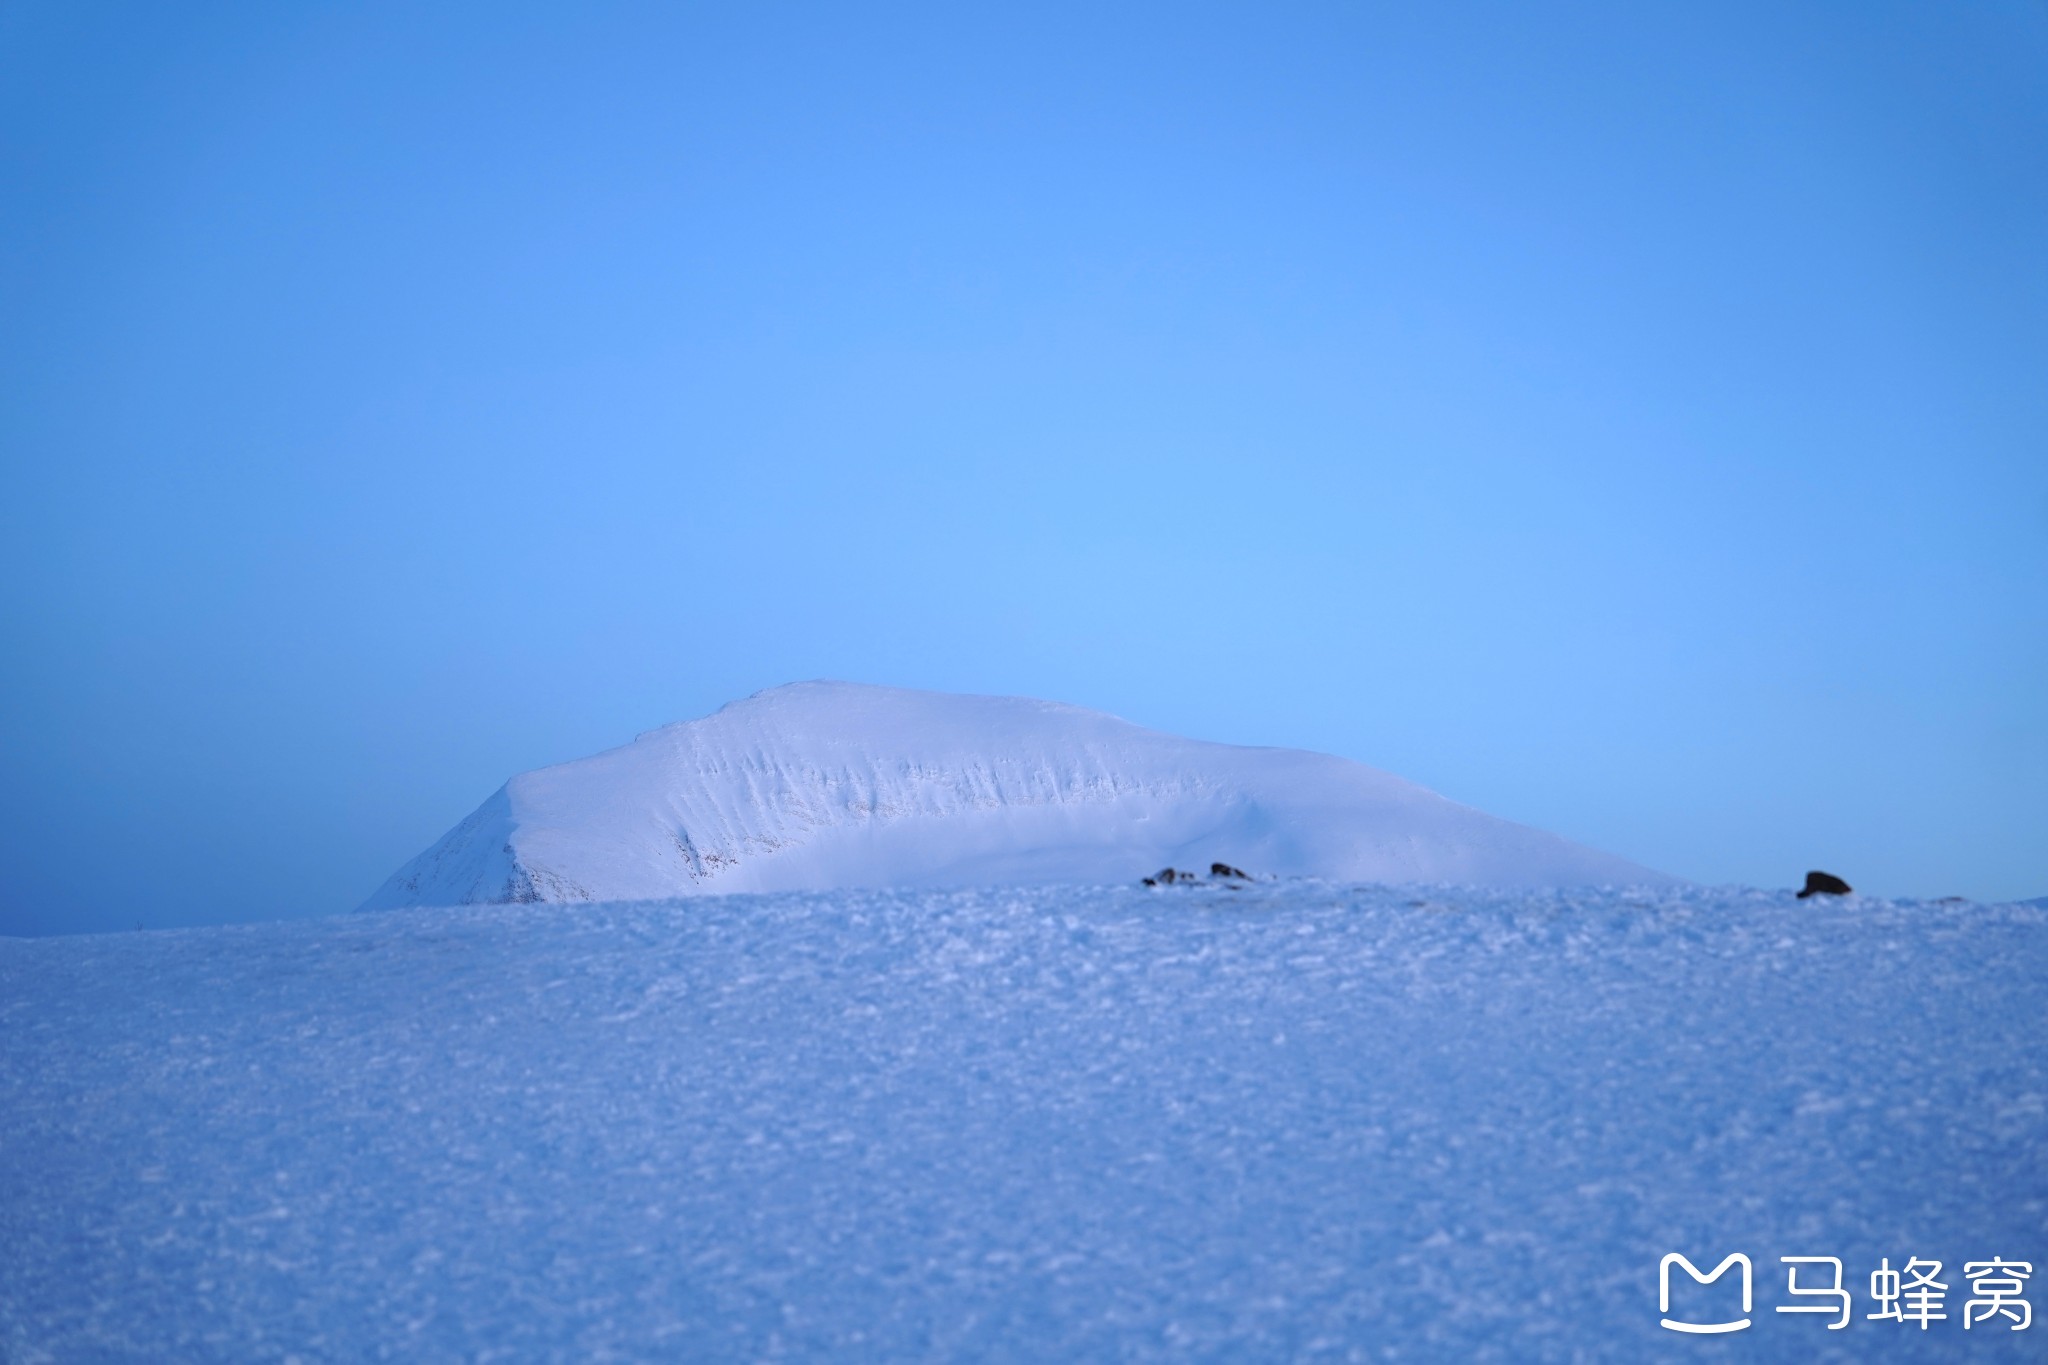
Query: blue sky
point(1629, 420)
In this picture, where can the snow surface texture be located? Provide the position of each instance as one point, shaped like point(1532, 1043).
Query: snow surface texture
point(1296, 1122)
point(823, 785)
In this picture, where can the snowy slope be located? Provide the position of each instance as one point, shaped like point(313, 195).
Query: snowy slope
point(821, 785)
point(1297, 1123)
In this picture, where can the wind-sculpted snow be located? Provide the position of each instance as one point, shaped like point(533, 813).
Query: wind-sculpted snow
point(1299, 1122)
point(827, 785)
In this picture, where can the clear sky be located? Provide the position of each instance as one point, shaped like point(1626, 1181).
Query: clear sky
point(1628, 419)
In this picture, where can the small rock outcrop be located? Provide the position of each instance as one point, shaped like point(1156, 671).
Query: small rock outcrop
point(1824, 884)
point(1219, 872)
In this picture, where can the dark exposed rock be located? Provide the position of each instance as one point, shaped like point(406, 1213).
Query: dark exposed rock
point(1824, 884)
point(1222, 872)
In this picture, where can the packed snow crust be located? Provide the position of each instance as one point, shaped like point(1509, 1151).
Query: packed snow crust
point(1294, 1122)
point(826, 785)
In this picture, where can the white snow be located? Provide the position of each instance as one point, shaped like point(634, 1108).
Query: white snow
point(824, 785)
point(1294, 1122)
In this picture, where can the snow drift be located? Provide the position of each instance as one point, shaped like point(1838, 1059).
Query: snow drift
point(825, 785)
point(1292, 1123)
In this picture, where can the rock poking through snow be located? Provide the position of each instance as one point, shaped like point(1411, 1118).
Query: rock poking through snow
point(1824, 884)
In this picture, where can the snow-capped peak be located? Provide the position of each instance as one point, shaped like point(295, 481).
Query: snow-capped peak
point(818, 785)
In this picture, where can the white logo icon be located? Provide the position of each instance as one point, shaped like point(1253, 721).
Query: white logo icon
point(1702, 1328)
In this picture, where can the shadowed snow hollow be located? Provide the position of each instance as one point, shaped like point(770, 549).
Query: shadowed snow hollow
point(823, 785)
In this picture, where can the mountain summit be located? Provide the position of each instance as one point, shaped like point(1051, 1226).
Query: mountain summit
point(822, 785)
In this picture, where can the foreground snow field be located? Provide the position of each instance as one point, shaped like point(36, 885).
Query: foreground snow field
point(1297, 1122)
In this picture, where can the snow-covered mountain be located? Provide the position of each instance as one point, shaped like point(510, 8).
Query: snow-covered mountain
point(822, 785)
